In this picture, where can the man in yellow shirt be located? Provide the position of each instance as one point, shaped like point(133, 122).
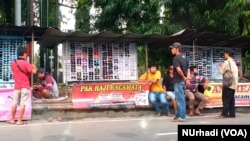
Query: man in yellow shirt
point(156, 92)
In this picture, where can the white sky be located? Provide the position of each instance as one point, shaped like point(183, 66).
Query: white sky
point(69, 25)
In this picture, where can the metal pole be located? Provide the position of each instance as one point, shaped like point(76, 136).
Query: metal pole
point(32, 54)
point(194, 52)
point(31, 13)
point(47, 19)
point(18, 12)
point(146, 55)
point(41, 13)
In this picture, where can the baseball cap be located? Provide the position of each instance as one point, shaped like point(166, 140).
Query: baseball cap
point(175, 45)
point(41, 70)
point(170, 67)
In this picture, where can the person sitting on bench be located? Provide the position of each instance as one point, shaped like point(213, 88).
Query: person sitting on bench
point(193, 94)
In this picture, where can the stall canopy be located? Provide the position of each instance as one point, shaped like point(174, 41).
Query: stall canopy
point(50, 37)
point(25, 31)
point(53, 37)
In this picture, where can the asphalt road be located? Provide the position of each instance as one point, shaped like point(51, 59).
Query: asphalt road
point(146, 128)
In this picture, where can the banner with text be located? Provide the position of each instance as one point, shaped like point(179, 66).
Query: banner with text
point(109, 94)
point(6, 97)
point(214, 94)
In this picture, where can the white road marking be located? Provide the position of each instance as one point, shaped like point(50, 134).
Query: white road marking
point(166, 134)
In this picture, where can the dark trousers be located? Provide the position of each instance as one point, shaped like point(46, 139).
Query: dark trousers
point(228, 102)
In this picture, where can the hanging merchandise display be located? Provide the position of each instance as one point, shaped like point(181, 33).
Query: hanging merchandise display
point(8, 52)
point(207, 59)
point(99, 61)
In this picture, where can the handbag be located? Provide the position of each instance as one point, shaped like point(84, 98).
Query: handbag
point(228, 77)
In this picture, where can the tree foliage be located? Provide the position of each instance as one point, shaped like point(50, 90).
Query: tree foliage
point(83, 16)
point(143, 16)
point(45, 14)
point(7, 11)
point(133, 16)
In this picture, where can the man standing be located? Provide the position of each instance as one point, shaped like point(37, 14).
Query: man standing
point(21, 70)
point(153, 77)
point(228, 93)
point(181, 71)
point(48, 88)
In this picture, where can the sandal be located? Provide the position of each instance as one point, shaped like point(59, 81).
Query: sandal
point(10, 122)
point(199, 114)
point(191, 114)
point(20, 123)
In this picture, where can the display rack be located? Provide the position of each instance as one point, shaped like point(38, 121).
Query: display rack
point(8, 52)
point(207, 59)
point(99, 61)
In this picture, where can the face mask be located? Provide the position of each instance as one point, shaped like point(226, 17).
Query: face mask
point(195, 73)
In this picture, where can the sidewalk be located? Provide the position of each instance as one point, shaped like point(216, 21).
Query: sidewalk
point(64, 108)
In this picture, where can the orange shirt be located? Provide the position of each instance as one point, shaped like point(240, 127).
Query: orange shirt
point(154, 87)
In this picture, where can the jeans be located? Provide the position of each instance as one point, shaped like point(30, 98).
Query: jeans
point(179, 89)
point(154, 97)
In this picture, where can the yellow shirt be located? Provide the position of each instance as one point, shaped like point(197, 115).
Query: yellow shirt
point(154, 87)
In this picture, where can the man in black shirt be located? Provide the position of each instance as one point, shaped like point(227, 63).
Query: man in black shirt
point(168, 86)
point(181, 72)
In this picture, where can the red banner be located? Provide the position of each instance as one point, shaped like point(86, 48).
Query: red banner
point(108, 94)
point(214, 94)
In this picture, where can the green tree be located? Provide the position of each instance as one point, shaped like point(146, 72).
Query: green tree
point(129, 16)
point(7, 11)
point(83, 16)
point(223, 16)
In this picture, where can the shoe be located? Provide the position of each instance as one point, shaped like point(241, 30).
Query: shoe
point(198, 114)
point(169, 115)
point(220, 117)
point(158, 115)
point(177, 120)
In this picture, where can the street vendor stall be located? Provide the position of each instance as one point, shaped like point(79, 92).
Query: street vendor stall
point(97, 61)
point(8, 47)
point(12, 37)
point(207, 60)
point(105, 71)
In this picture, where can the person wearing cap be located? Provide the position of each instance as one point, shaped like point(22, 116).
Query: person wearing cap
point(228, 93)
point(48, 88)
point(181, 76)
point(156, 92)
point(193, 94)
point(21, 70)
point(168, 86)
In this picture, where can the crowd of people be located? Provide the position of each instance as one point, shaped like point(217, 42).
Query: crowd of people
point(181, 82)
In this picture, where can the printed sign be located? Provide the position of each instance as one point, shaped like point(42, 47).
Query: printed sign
point(6, 97)
point(108, 94)
point(214, 94)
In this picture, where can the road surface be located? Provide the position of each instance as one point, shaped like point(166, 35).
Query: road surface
point(147, 128)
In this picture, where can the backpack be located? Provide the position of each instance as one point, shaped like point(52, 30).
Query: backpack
point(228, 77)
